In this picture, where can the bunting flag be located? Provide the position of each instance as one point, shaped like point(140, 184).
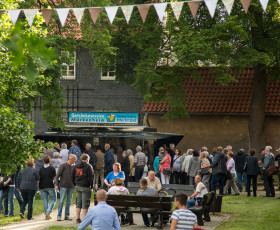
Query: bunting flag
point(14, 15)
point(160, 9)
point(177, 8)
point(30, 15)
point(245, 4)
point(194, 7)
point(228, 5)
point(211, 5)
point(111, 12)
point(79, 12)
point(62, 14)
point(94, 13)
point(143, 10)
point(279, 1)
point(127, 11)
point(47, 13)
point(264, 4)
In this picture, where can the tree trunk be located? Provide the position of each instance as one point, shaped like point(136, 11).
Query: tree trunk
point(257, 109)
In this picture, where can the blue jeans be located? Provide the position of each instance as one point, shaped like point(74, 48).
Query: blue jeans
point(28, 198)
point(19, 197)
point(48, 193)
point(68, 194)
point(239, 180)
point(1, 200)
point(9, 200)
point(218, 178)
point(190, 203)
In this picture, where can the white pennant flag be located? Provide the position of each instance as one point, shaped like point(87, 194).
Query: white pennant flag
point(177, 8)
point(111, 12)
point(79, 13)
point(264, 4)
point(14, 15)
point(160, 9)
point(127, 11)
point(211, 5)
point(279, 1)
point(30, 15)
point(228, 4)
point(62, 14)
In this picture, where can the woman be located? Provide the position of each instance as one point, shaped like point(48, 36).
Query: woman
point(165, 164)
point(231, 174)
point(28, 183)
point(126, 166)
point(176, 168)
point(205, 170)
point(252, 172)
point(117, 173)
point(194, 167)
point(132, 168)
point(146, 190)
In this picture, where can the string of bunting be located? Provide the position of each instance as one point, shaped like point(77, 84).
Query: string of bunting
point(127, 10)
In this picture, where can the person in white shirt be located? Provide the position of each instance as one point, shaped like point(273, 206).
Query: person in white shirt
point(231, 173)
point(64, 153)
point(186, 163)
point(200, 191)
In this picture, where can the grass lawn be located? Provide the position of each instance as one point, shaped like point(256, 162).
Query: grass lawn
point(251, 213)
point(38, 208)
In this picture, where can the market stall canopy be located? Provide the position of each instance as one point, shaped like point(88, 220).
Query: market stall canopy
point(138, 132)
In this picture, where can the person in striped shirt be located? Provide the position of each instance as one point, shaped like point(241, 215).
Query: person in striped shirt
point(182, 218)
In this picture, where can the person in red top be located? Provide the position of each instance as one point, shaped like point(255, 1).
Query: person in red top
point(165, 164)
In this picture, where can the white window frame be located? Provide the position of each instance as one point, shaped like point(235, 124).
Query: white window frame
point(67, 77)
point(107, 77)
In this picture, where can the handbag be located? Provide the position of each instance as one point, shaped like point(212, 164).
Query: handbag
point(204, 171)
point(167, 171)
point(272, 170)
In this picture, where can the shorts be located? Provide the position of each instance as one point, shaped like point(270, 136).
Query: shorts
point(83, 195)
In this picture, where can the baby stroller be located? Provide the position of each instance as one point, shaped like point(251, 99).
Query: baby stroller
point(165, 192)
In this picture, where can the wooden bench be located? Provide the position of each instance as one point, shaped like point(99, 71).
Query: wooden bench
point(204, 208)
point(133, 187)
point(160, 206)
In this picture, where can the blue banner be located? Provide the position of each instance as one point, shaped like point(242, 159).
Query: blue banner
point(104, 118)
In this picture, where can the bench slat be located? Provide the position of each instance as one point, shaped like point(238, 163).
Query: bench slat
point(135, 204)
point(133, 198)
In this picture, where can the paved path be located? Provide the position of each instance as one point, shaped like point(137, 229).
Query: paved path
point(39, 222)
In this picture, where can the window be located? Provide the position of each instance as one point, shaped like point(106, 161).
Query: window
point(109, 74)
point(69, 70)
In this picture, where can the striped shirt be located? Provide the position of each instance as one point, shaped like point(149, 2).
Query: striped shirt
point(186, 219)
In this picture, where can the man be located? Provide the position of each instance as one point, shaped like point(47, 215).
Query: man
point(219, 170)
point(9, 182)
point(139, 163)
point(240, 160)
point(47, 175)
point(268, 180)
point(64, 174)
point(102, 216)
point(92, 158)
point(200, 191)
point(108, 160)
point(182, 218)
point(153, 181)
point(82, 177)
point(64, 153)
point(99, 167)
point(75, 150)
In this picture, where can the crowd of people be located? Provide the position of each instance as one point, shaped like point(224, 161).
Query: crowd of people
point(61, 171)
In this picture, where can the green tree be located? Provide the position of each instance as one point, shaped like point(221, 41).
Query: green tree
point(25, 58)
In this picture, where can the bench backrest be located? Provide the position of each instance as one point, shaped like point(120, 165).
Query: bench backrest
point(133, 187)
point(187, 189)
point(207, 199)
point(160, 203)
